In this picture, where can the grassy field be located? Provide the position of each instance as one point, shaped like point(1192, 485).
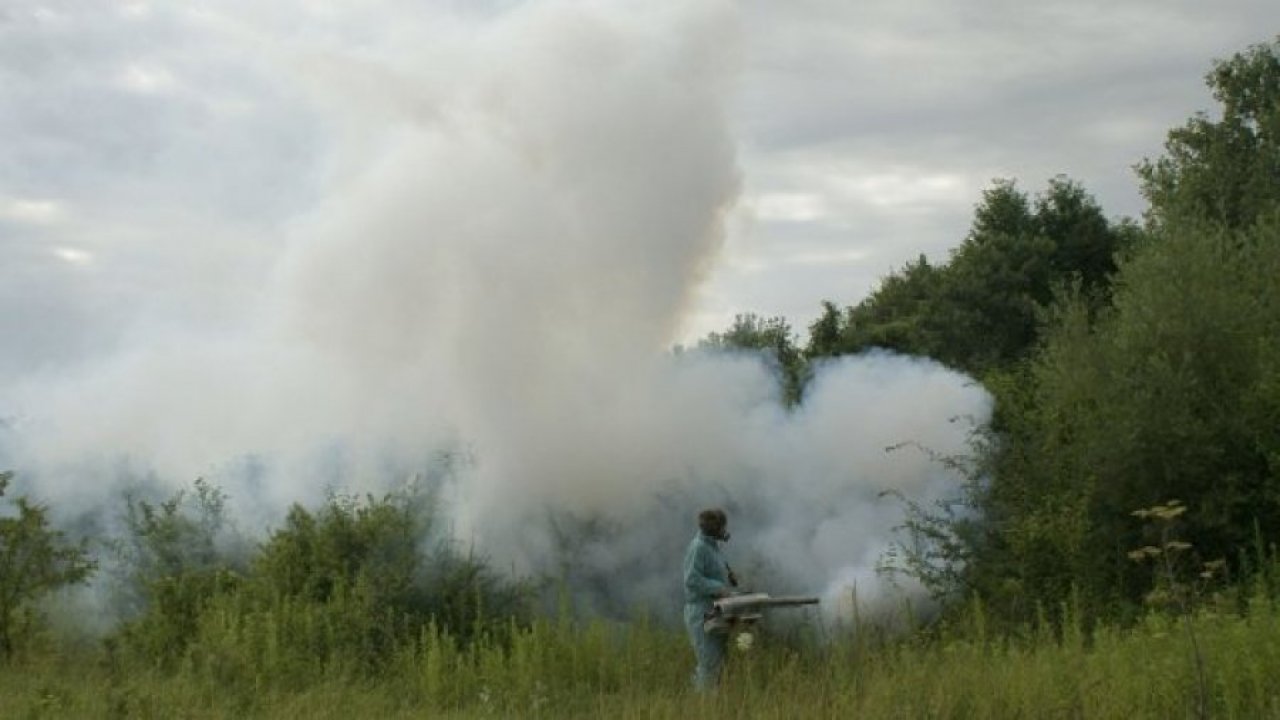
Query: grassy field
point(559, 669)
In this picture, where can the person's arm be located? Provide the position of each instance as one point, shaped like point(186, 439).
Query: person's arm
point(697, 581)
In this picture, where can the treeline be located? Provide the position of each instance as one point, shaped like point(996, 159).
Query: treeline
point(1132, 362)
point(982, 311)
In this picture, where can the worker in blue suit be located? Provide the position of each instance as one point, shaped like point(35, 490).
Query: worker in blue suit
point(707, 577)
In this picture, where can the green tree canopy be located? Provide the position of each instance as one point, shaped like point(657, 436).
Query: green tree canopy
point(1168, 395)
point(981, 310)
point(35, 559)
point(774, 340)
point(1225, 170)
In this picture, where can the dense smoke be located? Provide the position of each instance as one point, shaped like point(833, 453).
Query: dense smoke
point(504, 248)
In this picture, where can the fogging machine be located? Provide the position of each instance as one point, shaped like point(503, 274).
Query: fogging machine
point(746, 609)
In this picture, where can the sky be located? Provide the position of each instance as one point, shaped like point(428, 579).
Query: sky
point(869, 129)
point(294, 246)
point(156, 155)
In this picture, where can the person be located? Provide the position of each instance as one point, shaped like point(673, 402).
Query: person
point(707, 577)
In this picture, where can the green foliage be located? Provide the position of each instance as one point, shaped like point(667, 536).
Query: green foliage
point(346, 587)
point(376, 567)
point(554, 669)
point(776, 343)
point(938, 543)
point(1128, 366)
point(1225, 171)
point(897, 316)
point(981, 311)
point(1008, 269)
point(346, 543)
point(35, 559)
point(825, 332)
point(1167, 393)
point(1179, 583)
point(172, 568)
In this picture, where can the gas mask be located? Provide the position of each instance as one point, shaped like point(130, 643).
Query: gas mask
point(714, 524)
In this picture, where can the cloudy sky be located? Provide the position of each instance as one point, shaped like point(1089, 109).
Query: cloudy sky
point(156, 157)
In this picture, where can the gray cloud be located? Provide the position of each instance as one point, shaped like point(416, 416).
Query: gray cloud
point(178, 149)
point(888, 99)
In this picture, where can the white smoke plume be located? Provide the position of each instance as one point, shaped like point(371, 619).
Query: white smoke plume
point(503, 250)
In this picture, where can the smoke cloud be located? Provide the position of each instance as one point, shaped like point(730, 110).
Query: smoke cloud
point(500, 254)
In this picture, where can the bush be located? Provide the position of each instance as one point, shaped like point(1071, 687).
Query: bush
point(34, 560)
point(343, 588)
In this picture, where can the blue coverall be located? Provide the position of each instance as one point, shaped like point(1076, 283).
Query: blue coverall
point(706, 577)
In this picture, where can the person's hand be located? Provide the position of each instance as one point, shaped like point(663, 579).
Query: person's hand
point(733, 579)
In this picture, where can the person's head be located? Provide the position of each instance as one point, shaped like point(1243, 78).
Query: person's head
point(714, 523)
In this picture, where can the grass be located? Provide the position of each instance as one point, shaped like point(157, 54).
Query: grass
point(557, 668)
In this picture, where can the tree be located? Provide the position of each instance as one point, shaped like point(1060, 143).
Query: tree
point(1085, 244)
point(371, 573)
point(774, 339)
point(346, 585)
point(172, 567)
point(1158, 374)
point(1004, 275)
point(1225, 171)
point(1169, 394)
point(34, 560)
point(825, 333)
point(981, 311)
point(897, 316)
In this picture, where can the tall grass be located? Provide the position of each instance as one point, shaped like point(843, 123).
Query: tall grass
point(556, 667)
